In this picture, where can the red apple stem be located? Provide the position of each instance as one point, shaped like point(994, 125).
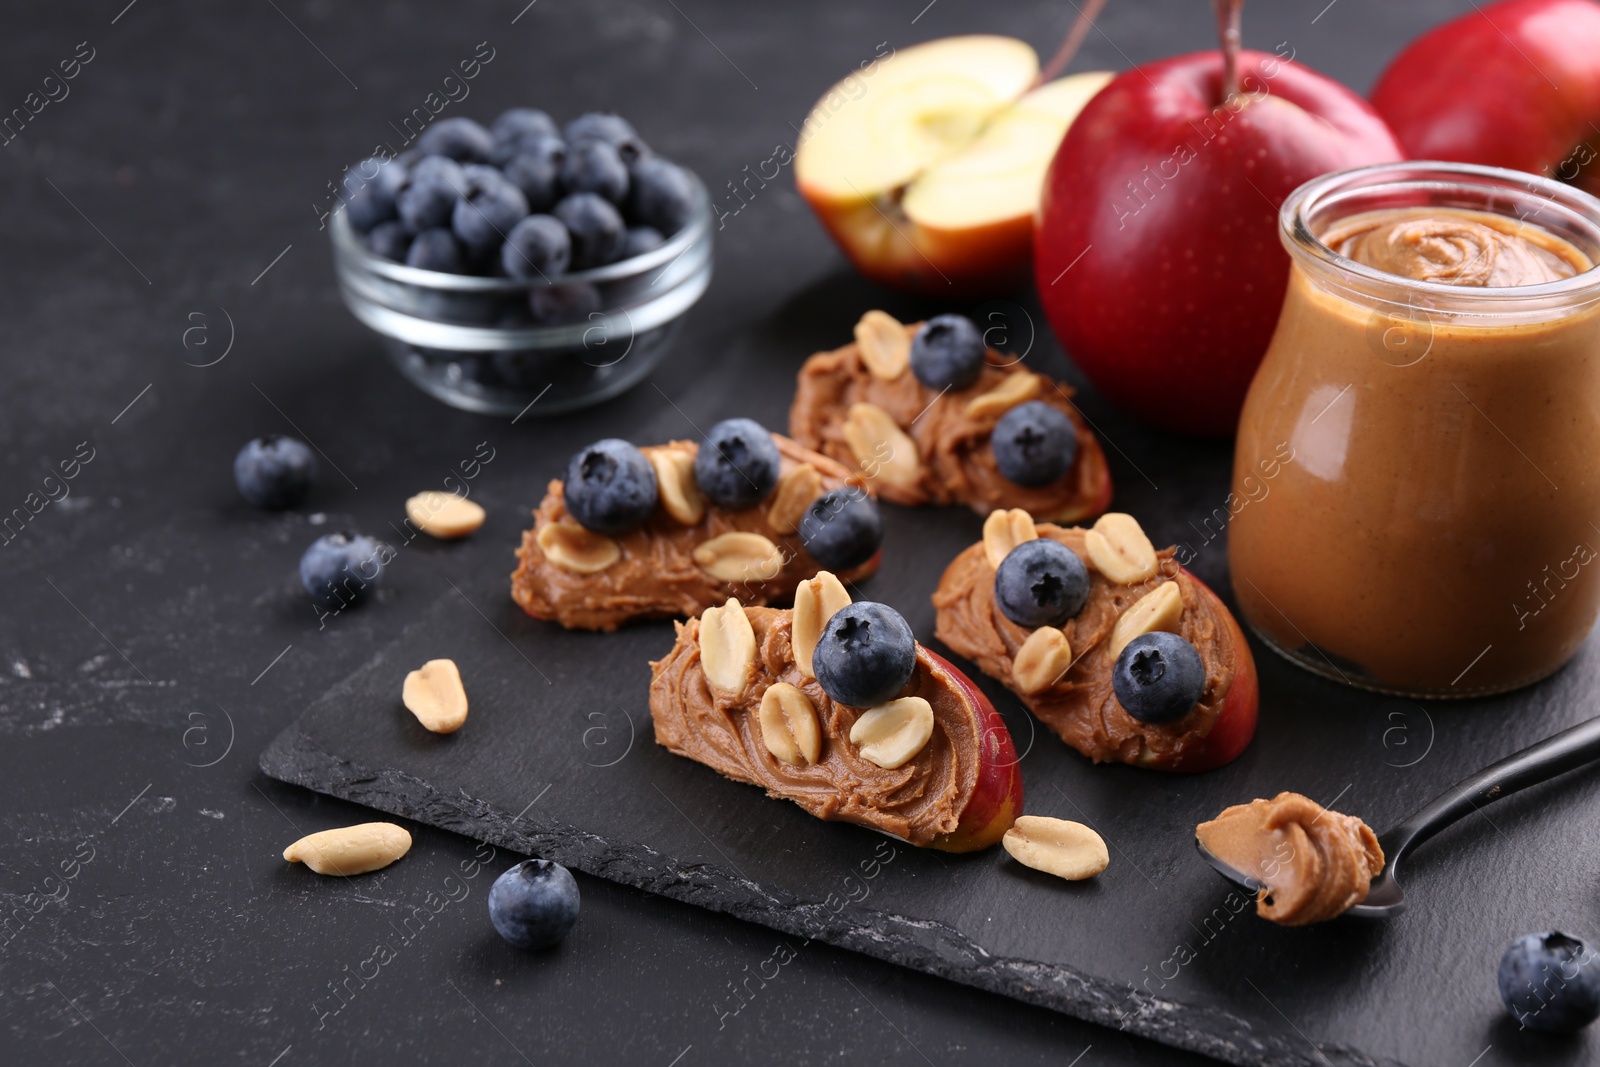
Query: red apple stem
point(1230, 34)
point(1074, 40)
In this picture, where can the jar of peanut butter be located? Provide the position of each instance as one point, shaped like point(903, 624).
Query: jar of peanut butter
point(1430, 405)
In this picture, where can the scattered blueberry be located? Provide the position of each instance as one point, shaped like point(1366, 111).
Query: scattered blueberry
point(842, 528)
point(538, 174)
point(662, 195)
point(390, 240)
point(1159, 678)
point(275, 472)
point(1041, 583)
point(432, 188)
point(866, 654)
point(555, 305)
point(947, 353)
point(537, 247)
point(489, 208)
point(436, 249)
point(737, 464)
point(534, 904)
point(612, 129)
point(595, 167)
point(1034, 443)
point(1550, 982)
point(610, 487)
point(638, 240)
point(460, 139)
point(595, 226)
point(519, 123)
point(340, 568)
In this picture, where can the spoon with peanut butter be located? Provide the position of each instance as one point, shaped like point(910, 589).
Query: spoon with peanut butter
point(1307, 864)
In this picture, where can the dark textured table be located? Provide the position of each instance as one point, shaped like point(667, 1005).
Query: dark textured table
point(168, 294)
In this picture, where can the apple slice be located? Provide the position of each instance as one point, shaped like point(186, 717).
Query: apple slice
point(930, 177)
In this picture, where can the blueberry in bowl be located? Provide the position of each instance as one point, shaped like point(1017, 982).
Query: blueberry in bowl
point(552, 261)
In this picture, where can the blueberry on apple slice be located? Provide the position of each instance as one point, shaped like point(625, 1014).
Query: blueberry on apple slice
point(1159, 677)
point(738, 464)
point(866, 654)
point(1034, 444)
point(947, 353)
point(1041, 583)
point(611, 487)
point(842, 528)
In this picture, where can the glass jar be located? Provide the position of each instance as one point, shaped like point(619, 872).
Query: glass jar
point(1431, 522)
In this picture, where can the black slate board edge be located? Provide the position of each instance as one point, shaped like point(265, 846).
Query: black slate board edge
point(294, 757)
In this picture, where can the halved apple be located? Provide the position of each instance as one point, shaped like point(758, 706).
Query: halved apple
point(929, 178)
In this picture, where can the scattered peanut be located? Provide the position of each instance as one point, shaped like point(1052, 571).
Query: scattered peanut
point(1118, 548)
point(680, 496)
point(347, 850)
point(891, 734)
point(798, 487)
point(1013, 390)
point(1159, 609)
point(444, 515)
point(1065, 849)
point(1041, 661)
point(884, 345)
point(573, 548)
point(885, 452)
point(739, 556)
point(727, 647)
point(815, 601)
point(1004, 530)
point(789, 725)
point(435, 696)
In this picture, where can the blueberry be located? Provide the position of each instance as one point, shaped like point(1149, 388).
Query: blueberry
point(1158, 678)
point(490, 206)
point(1041, 583)
point(537, 247)
point(367, 206)
point(437, 249)
point(275, 472)
point(390, 240)
point(638, 240)
point(595, 167)
point(1550, 982)
point(388, 175)
point(538, 175)
point(339, 569)
point(432, 188)
point(737, 464)
point(612, 129)
point(662, 195)
point(842, 528)
point(611, 487)
point(866, 655)
point(520, 122)
point(459, 139)
point(1034, 443)
point(947, 353)
point(595, 226)
point(555, 305)
point(534, 904)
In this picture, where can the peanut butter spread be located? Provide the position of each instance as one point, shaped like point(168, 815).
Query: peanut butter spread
point(1314, 864)
point(1082, 707)
point(1453, 246)
point(918, 801)
point(957, 465)
point(655, 575)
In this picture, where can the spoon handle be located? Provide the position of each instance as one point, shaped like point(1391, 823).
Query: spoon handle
point(1557, 754)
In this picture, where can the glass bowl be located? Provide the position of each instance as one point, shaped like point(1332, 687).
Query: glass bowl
point(476, 342)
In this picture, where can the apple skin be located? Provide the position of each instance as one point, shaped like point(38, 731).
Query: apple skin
point(996, 800)
point(1236, 723)
point(1514, 84)
point(1182, 275)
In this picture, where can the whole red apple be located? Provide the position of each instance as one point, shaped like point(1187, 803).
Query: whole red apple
point(1514, 84)
point(1157, 255)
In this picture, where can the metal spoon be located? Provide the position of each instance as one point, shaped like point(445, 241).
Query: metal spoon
point(1557, 754)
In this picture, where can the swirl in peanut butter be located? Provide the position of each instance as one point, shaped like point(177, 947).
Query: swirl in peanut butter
point(1452, 246)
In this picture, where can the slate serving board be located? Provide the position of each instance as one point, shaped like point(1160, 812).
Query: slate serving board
point(558, 759)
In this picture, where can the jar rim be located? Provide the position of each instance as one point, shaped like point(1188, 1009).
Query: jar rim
point(1576, 205)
